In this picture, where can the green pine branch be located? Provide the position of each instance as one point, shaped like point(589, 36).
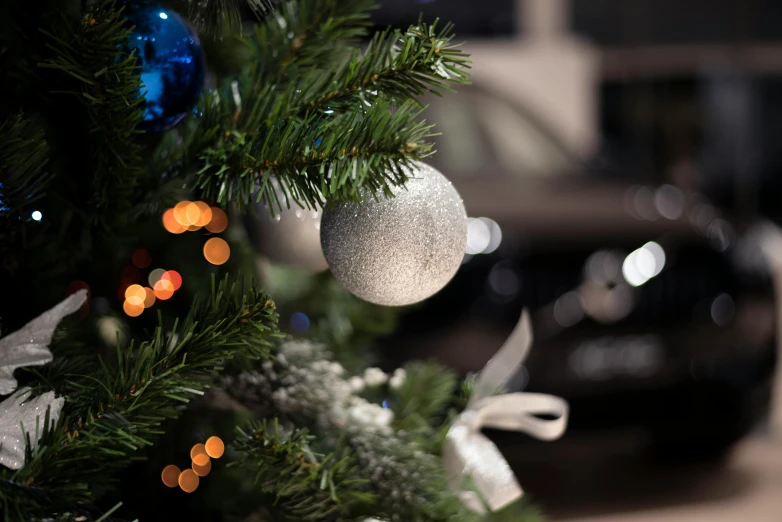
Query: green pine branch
point(95, 69)
point(317, 158)
point(424, 398)
point(117, 409)
point(308, 34)
point(218, 16)
point(400, 65)
point(24, 154)
point(330, 136)
point(305, 486)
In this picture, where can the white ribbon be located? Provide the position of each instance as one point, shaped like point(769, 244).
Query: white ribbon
point(468, 452)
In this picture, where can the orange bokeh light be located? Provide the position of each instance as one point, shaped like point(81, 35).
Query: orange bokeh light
point(201, 459)
point(170, 476)
point(133, 310)
point(149, 298)
point(163, 289)
point(215, 447)
point(204, 470)
point(188, 481)
point(135, 294)
point(218, 222)
point(193, 228)
point(174, 277)
point(180, 213)
point(192, 213)
point(217, 251)
point(170, 223)
point(197, 449)
point(141, 258)
point(204, 214)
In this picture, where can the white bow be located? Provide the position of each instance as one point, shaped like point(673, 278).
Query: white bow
point(467, 452)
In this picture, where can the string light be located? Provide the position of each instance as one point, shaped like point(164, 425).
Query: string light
point(217, 251)
point(155, 276)
point(218, 222)
point(202, 459)
point(171, 224)
point(197, 449)
point(163, 289)
point(133, 310)
point(174, 277)
point(149, 298)
point(204, 470)
point(36, 215)
point(191, 216)
point(170, 476)
point(214, 447)
point(188, 481)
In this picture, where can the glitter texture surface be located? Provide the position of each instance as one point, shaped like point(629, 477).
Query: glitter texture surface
point(20, 417)
point(401, 250)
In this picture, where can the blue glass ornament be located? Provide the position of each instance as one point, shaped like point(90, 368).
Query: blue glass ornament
point(172, 63)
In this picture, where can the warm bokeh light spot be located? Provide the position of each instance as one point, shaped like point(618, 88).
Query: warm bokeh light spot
point(180, 213)
point(193, 228)
point(141, 258)
point(204, 214)
point(133, 310)
point(170, 476)
point(218, 222)
point(170, 222)
point(202, 459)
point(197, 449)
point(192, 213)
point(174, 277)
point(149, 298)
point(136, 291)
point(188, 481)
point(164, 289)
point(217, 251)
point(155, 275)
point(204, 470)
point(214, 447)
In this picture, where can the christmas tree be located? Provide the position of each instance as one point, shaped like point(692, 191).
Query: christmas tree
point(150, 155)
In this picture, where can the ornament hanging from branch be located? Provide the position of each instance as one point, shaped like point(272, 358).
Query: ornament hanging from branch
point(401, 250)
point(172, 63)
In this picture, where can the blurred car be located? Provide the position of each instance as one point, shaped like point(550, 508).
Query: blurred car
point(653, 313)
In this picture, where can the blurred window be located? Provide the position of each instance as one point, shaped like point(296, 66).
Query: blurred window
point(483, 133)
point(487, 18)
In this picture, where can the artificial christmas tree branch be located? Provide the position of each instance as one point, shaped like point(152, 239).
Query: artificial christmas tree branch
point(305, 486)
point(118, 408)
point(401, 65)
point(108, 85)
point(24, 154)
point(316, 159)
point(310, 34)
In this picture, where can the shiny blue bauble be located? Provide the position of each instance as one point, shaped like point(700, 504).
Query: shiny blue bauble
point(172, 63)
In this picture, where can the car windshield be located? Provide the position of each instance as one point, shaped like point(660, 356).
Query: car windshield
point(486, 134)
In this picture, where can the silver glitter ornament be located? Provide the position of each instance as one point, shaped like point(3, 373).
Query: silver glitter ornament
point(290, 237)
point(21, 418)
point(29, 346)
point(401, 250)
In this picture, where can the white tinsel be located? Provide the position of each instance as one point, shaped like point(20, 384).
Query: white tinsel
point(398, 379)
point(375, 377)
